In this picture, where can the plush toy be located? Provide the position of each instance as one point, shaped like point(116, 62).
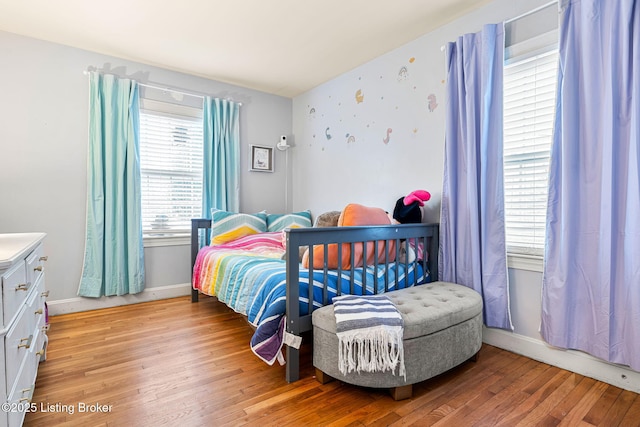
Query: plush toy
point(419, 196)
point(407, 210)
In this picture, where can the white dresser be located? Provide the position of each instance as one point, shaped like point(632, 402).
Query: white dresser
point(22, 317)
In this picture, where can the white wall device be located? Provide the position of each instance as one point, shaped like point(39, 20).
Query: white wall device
point(282, 144)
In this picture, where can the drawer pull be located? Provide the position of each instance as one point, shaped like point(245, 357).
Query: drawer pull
point(44, 258)
point(38, 268)
point(22, 287)
point(38, 311)
point(45, 294)
point(26, 342)
point(40, 352)
point(29, 390)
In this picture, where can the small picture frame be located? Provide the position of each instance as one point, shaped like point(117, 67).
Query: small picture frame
point(261, 159)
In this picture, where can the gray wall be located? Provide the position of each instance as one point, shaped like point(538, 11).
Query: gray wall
point(376, 133)
point(43, 150)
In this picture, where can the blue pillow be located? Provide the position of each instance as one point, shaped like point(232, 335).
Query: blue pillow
point(278, 222)
point(228, 226)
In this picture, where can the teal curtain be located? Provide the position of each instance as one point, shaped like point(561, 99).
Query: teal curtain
point(114, 259)
point(221, 163)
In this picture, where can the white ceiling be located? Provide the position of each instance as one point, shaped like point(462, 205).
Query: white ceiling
point(284, 47)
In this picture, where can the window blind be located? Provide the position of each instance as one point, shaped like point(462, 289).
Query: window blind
point(171, 171)
point(529, 108)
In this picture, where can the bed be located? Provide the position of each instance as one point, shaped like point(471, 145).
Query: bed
point(263, 277)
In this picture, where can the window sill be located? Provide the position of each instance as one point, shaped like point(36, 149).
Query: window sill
point(525, 262)
point(166, 240)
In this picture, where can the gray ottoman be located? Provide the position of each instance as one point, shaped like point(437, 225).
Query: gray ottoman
point(442, 328)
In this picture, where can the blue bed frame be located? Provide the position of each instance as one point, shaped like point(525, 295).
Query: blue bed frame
point(426, 234)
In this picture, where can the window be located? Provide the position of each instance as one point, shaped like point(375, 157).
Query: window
point(529, 108)
point(170, 166)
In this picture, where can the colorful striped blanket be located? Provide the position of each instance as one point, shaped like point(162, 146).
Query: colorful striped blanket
point(249, 276)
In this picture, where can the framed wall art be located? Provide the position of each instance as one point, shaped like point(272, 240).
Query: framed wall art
point(261, 159)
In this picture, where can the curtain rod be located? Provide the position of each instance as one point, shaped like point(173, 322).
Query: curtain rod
point(169, 89)
point(524, 15)
point(531, 12)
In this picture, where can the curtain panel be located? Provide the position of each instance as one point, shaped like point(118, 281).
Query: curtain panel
point(114, 258)
point(221, 162)
point(591, 279)
point(472, 228)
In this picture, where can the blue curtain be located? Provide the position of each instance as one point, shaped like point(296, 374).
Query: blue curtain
point(114, 259)
point(221, 175)
point(472, 230)
point(591, 281)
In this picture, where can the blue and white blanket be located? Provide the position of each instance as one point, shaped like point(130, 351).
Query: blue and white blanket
point(369, 330)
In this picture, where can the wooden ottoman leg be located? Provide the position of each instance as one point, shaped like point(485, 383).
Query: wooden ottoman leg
point(475, 357)
point(323, 378)
point(402, 392)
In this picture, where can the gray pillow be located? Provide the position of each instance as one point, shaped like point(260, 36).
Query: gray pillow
point(327, 219)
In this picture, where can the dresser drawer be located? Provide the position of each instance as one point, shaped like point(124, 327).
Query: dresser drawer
point(35, 310)
point(35, 264)
point(17, 342)
point(15, 288)
point(40, 297)
point(22, 393)
point(38, 350)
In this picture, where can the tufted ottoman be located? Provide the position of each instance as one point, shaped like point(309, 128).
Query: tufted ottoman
point(442, 328)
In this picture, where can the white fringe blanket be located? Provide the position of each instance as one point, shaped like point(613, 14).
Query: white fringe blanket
point(369, 330)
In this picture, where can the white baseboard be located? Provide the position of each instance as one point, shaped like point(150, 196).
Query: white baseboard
point(74, 305)
point(574, 361)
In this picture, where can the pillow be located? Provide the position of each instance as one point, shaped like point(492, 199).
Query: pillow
point(228, 226)
point(327, 219)
point(278, 222)
point(354, 215)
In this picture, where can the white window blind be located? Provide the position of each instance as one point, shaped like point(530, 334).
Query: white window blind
point(529, 108)
point(171, 171)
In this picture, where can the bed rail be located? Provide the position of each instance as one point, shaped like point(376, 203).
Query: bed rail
point(200, 236)
point(425, 234)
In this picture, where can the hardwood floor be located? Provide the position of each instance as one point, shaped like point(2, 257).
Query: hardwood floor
point(171, 362)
